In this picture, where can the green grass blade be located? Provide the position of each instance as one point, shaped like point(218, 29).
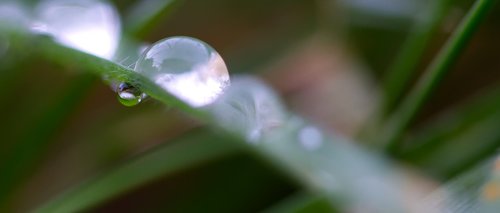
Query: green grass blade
point(314, 170)
point(183, 154)
point(402, 118)
point(145, 14)
point(453, 123)
point(404, 66)
point(302, 202)
point(25, 153)
point(463, 136)
point(463, 151)
point(70, 57)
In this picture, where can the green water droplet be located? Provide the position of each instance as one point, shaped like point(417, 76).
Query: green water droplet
point(249, 107)
point(129, 95)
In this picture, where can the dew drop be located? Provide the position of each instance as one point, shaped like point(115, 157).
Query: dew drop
point(310, 138)
point(90, 26)
point(187, 68)
point(249, 108)
point(129, 95)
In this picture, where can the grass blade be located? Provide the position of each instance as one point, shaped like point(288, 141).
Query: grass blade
point(405, 64)
point(461, 152)
point(144, 15)
point(281, 145)
point(464, 136)
point(439, 132)
point(302, 202)
point(402, 118)
point(166, 160)
point(29, 149)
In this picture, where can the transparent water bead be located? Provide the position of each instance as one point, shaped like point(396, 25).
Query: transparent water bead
point(310, 138)
point(250, 108)
point(90, 26)
point(128, 95)
point(187, 68)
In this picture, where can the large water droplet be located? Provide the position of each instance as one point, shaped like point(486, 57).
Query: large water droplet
point(185, 67)
point(129, 95)
point(250, 108)
point(89, 26)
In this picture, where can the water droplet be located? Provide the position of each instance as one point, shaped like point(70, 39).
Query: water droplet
point(187, 68)
point(310, 138)
point(250, 108)
point(89, 26)
point(129, 95)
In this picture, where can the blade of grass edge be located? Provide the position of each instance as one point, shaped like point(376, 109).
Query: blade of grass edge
point(160, 162)
point(464, 150)
point(403, 116)
point(404, 66)
point(276, 147)
point(302, 202)
point(438, 131)
point(144, 15)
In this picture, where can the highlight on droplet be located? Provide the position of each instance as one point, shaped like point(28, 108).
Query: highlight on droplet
point(89, 26)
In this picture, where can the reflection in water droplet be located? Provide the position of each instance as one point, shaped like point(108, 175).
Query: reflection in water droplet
point(13, 16)
point(310, 138)
point(129, 95)
point(248, 107)
point(90, 26)
point(187, 68)
point(4, 45)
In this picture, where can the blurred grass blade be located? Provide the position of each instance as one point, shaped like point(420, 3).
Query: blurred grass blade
point(405, 64)
point(452, 123)
point(489, 199)
point(25, 153)
point(323, 170)
point(183, 154)
point(462, 151)
point(145, 14)
point(464, 136)
point(302, 202)
point(252, 111)
point(461, 194)
point(402, 118)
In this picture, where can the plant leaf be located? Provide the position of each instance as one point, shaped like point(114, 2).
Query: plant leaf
point(405, 64)
point(463, 136)
point(448, 55)
point(145, 14)
point(166, 160)
point(25, 153)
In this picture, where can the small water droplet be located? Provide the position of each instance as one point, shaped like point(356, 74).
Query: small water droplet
point(310, 138)
point(187, 68)
point(129, 95)
point(89, 26)
point(250, 108)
